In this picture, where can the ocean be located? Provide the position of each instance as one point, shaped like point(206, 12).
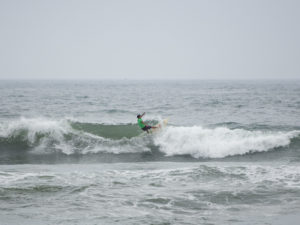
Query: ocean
point(71, 152)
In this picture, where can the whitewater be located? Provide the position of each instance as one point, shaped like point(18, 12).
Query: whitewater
point(230, 152)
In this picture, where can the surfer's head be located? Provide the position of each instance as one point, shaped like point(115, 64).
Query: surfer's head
point(138, 116)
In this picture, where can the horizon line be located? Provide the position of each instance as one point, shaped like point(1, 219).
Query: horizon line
point(151, 79)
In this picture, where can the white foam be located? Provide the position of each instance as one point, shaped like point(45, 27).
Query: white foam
point(219, 142)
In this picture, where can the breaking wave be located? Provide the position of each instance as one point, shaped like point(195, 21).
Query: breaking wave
point(45, 136)
point(220, 142)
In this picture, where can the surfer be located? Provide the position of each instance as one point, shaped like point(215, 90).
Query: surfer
point(142, 125)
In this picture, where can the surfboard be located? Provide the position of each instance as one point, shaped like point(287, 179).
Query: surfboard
point(160, 125)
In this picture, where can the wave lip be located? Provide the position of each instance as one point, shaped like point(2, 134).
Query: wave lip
point(220, 142)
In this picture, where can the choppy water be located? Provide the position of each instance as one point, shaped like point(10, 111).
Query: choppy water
point(71, 152)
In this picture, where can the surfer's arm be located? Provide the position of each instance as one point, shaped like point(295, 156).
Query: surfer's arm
point(143, 114)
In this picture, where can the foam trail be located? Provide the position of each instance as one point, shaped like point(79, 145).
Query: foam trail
point(219, 142)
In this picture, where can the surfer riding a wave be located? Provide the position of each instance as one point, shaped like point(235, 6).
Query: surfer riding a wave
point(142, 125)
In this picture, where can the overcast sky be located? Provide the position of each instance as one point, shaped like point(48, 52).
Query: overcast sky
point(154, 39)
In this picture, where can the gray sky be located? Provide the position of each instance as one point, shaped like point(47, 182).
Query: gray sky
point(154, 39)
